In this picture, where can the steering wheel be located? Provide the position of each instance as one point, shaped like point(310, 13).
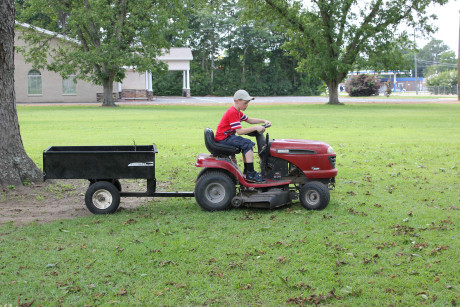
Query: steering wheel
point(256, 133)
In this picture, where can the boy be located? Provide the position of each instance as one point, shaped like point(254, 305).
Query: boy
point(230, 125)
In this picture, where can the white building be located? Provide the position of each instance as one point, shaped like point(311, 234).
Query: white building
point(40, 85)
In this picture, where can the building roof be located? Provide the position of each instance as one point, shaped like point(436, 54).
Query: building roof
point(44, 31)
point(177, 54)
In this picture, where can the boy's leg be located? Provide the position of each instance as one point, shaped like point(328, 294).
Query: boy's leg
point(251, 174)
point(248, 156)
point(248, 160)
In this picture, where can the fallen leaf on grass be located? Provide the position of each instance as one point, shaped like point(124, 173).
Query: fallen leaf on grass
point(340, 262)
point(25, 304)
point(166, 262)
point(122, 292)
point(353, 211)
point(390, 290)
point(439, 249)
point(130, 221)
point(420, 245)
point(282, 259)
point(234, 265)
point(247, 216)
point(402, 229)
point(284, 279)
point(313, 299)
point(246, 287)
point(98, 295)
point(304, 285)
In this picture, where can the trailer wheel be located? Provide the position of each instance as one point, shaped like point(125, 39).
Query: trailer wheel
point(102, 197)
point(314, 196)
point(214, 191)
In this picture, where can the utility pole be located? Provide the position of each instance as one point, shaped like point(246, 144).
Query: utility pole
point(458, 59)
point(415, 62)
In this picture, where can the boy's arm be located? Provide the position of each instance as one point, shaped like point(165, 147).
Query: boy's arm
point(242, 131)
point(257, 121)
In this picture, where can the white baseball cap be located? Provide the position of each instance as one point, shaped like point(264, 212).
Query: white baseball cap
point(242, 95)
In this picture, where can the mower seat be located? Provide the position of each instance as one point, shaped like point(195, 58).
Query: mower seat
point(217, 149)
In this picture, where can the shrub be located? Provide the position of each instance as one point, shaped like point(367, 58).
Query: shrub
point(445, 78)
point(363, 85)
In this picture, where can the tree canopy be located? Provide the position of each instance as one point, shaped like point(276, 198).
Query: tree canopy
point(230, 53)
point(435, 57)
point(332, 37)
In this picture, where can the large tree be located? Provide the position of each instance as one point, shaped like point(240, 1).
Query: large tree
point(15, 166)
point(105, 37)
point(329, 37)
point(436, 57)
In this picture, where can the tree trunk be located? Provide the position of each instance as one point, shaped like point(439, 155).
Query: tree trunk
point(213, 50)
point(333, 92)
point(108, 92)
point(243, 74)
point(15, 166)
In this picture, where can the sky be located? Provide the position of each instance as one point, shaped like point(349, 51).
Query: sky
point(448, 24)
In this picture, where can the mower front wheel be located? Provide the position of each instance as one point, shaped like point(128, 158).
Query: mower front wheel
point(314, 196)
point(214, 191)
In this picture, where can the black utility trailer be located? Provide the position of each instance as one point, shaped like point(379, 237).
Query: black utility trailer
point(104, 166)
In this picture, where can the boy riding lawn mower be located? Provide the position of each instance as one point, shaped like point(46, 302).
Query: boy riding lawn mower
point(293, 169)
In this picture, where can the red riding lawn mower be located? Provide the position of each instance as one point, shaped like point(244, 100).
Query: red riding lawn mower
point(292, 169)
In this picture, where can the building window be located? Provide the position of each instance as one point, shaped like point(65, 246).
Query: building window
point(34, 78)
point(69, 85)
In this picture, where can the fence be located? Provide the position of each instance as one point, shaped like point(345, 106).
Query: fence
point(443, 90)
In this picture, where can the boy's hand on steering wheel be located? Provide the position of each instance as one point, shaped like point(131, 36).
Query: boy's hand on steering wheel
point(260, 129)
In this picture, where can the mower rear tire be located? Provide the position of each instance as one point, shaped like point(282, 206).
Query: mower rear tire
point(102, 197)
point(214, 191)
point(314, 196)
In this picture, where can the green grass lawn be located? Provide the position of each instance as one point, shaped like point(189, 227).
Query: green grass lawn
point(390, 235)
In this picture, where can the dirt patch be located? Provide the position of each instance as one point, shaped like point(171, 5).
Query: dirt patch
point(56, 200)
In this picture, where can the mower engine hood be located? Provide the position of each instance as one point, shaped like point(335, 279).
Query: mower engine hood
point(311, 157)
point(295, 146)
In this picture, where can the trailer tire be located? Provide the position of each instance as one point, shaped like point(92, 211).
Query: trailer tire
point(102, 197)
point(214, 191)
point(117, 184)
point(314, 196)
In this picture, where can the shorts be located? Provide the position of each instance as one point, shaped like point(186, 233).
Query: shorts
point(235, 140)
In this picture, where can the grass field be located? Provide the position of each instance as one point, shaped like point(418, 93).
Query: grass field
point(390, 235)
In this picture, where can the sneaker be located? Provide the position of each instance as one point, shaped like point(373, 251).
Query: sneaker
point(254, 177)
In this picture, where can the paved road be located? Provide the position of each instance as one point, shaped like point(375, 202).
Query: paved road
point(163, 100)
point(301, 99)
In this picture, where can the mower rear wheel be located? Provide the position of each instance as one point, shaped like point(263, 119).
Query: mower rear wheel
point(314, 196)
point(214, 191)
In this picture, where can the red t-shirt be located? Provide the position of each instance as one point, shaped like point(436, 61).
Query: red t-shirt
point(229, 123)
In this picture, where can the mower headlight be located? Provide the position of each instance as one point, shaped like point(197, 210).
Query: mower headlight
point(330, 150)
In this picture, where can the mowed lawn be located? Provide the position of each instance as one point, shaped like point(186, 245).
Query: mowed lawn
point(390, 235)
